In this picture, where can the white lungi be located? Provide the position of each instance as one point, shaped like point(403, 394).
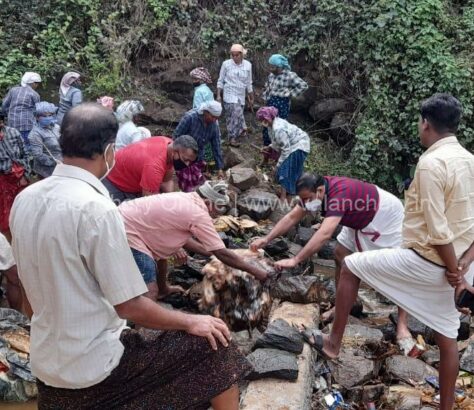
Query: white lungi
point(413, 283)
point(385, 230)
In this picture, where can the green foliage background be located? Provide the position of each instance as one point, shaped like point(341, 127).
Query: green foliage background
point(392, 53)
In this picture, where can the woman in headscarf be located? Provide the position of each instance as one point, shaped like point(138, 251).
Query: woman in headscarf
point(202, 93)
point(44, 139)
point(14, 171)
point(70, 94)
point(293, 145)
point(235, 80)
point(19, 105)
point(128, 132)
point(282, 84)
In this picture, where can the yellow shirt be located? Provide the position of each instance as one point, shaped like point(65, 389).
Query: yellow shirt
point(439, 205)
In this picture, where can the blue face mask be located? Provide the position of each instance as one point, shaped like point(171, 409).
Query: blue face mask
point(46, 121)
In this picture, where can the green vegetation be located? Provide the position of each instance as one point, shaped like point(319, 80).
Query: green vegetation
point(392, 54)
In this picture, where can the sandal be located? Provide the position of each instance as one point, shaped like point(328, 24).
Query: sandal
point(318, 343)
point(406, 344)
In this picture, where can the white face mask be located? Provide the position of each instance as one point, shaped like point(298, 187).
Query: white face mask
point(314, 205)
point(109, 167)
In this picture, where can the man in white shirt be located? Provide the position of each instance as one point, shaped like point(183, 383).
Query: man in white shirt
point(83, 285)
point(235, 79)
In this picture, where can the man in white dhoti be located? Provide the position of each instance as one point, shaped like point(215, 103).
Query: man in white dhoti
point(438, 234)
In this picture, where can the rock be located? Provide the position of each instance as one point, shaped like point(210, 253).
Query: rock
point(324, 110)
point(300, 289)
point(245, 340)
point(324, 267)
point(341, 128)
point(243, 178)
point(257, 204)
point(176, 80)
point(365, 394)
point(276, 247)
point(327, 250)
point(278, 213)
point(432, 356)
point(408, 369)
point(465, 328)
point(248, 163)
point(404, 398)
point(170, 113)
point(302, 102)
point(232, 157)
point(224, 238)
point(280, 335)
point(273, 363)
point(417, 328)
point(467, 359)
point(186, 275)
point(351, 370)
point(359, 335)
point(304, 235)
point(294, 249)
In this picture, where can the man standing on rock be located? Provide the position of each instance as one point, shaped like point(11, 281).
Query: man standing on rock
point(159, 226)
point(371, 218)
point(438, 232)
point(235, 79)
point(83, 284)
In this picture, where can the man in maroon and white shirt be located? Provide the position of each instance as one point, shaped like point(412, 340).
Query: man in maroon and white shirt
point(371, 218)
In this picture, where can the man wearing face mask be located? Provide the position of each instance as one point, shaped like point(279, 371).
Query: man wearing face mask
point(371, 218)
point(160, 226)
point(83, 286)
point(44, 140)
point(146, 167)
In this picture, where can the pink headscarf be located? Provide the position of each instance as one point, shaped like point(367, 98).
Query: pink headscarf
point(107, 102)
point(267, 114)
point(202, 74)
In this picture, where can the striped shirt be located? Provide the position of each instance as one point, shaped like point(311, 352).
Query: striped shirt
point(355, 201)
point(19, 106)
point(285, 85)
point(193, 124)
point(235, 79)
point(45, 149)
point(11, 150)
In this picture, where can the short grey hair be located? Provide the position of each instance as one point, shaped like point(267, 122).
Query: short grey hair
point(187, 142)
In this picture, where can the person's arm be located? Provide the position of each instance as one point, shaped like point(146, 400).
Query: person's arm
point(6, 102)
point(37, 150)
point(195, 246)
point(183, 127)
point(456, 278)
point(167, 185)
point(250, 88)
point(233, 260)
point(76, 97)
point(321, 236)
point(144, 312)
point(282, 142)
point(299, 86)
point(282, 227)
point(216, 148)
point(220, 82)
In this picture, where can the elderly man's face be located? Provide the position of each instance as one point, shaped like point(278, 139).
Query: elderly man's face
point(209, 118)
point(237, 57)
point(187, 155)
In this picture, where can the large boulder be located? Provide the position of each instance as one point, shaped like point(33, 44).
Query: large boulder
point(467, 359)
point(243, 178)
point(232, 157)
point(276, 247)
point(360, 335)
point(257, 204)
point(324, 110)
point(280, 335)
point(408, 369)
point(352, 370)
point(404, 397)
point(245, 340)
point(273, 363)
point(300, 289)
point(304, 235)
point(302, 102)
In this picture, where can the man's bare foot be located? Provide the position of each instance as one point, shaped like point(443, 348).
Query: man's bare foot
point(328, 316)
point(321, 343)
point(168, 290)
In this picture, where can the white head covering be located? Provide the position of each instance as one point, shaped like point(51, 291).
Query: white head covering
point(146, 133)
point(29, 78)
point(238, 48)
point(127, 110)
point(67, 81)
point(216, 193)
point(212, 107)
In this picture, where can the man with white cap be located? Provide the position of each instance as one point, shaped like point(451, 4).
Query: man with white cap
point(202, 125)
point(159, 226)
point(235, 79)
point(19, 105)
